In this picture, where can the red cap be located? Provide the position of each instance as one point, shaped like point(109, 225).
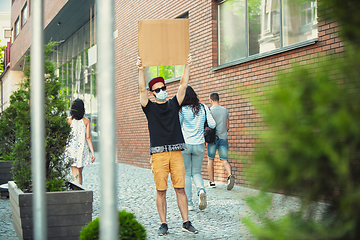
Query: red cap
point(156, 80)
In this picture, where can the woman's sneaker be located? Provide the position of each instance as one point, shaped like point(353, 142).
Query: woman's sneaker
point(202, 200)
point(188, 227)
point(212, 184)
point(231, 181)
point(163, 229)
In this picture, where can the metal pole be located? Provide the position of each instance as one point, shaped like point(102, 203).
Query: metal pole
point(106, 86)
point(38, 120)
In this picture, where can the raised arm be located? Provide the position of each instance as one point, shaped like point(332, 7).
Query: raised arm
point(184, 81)
point(142, 83)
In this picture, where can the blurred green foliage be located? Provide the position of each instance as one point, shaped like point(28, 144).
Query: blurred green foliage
point(310, 144)
point(2, 49)
point(15, 125)
point(130, 228)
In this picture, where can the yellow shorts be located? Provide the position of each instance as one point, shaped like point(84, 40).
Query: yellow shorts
point(165, 162)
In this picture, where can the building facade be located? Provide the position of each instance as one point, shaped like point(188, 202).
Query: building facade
point(71, 24)
point(237, 46)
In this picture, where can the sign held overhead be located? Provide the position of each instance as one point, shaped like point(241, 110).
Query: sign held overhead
point(164, 42)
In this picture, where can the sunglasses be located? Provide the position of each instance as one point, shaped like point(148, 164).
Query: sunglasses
point(158, 89)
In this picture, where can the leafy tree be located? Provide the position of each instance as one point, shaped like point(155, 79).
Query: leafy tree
point(311, 143)
point(16, 120)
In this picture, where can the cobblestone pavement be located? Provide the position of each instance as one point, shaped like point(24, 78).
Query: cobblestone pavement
point(136, 193)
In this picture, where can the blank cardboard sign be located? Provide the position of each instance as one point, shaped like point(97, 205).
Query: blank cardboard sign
point(164, 42)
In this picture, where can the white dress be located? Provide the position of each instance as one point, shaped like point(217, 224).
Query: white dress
point(77, 151)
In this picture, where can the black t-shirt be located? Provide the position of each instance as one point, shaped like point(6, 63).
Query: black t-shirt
point(164, 126)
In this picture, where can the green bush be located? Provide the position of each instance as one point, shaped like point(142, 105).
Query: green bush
point(311, 146)
point(15, 125)
point(311, 141)
point(7, 133)
point(130, 228)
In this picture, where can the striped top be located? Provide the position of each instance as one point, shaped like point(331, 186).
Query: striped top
point(193, 127)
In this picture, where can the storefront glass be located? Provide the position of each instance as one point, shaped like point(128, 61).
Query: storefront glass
point(78, 79)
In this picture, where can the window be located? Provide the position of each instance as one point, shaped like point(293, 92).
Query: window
point(17, 27)
point(24, 14)
point(7, 33)
point(167, 72)
point(250, 27)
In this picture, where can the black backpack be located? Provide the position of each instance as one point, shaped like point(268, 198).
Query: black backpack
point(209, 133)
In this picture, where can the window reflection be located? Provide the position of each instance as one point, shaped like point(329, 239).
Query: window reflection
point(300, 21)
point(250, 27)
point(78, 79)
point(232, 29)
point(167, 72)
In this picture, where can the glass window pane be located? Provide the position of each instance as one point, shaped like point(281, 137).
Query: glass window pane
point(24, 14)
point(17, 27)
point(69, 73)
point(63, 75)
point(69, 44)
point(179, 69)
point(64, 53)
point(87, 35)
point(270, 26)
point(254, 13)
point(60, 56)
point(75, 45)
point(81, 40)
point(299, 21)
point(86, 58)
point(93, 83)
point(150, 72)
point(166, 72)
point(232, 27)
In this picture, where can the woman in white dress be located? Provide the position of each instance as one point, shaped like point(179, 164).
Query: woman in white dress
point(80, 149)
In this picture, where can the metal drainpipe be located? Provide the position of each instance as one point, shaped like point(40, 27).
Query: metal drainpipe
point(37, 111)
point(106, 86)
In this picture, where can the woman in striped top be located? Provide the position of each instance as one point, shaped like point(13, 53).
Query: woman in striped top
point(192, 118)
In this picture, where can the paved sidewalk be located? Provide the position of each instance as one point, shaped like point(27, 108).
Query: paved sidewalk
point(136, 193)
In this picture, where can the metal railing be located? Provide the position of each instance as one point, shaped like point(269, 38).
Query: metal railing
point(106, 85)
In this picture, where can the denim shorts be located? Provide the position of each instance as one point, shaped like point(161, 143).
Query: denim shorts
point(222, 145)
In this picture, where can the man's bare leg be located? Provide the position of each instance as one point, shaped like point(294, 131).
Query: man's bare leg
point(161, 205)
point(182, 203)
point(211, 169)
point(227, 166)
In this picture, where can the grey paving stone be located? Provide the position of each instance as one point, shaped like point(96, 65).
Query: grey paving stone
point(136, 193)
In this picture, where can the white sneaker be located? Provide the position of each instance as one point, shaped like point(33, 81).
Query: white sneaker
point(202, 200)
point(190, 208)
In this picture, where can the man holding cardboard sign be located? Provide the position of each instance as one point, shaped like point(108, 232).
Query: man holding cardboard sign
point(166, 139)
point(166, 142)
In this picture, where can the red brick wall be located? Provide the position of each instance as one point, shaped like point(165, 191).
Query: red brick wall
point(231, 82)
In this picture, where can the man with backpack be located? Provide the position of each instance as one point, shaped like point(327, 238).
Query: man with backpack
point(221, 116)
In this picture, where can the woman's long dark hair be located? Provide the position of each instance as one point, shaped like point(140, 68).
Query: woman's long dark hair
point(77, 109)
point(191, 99)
